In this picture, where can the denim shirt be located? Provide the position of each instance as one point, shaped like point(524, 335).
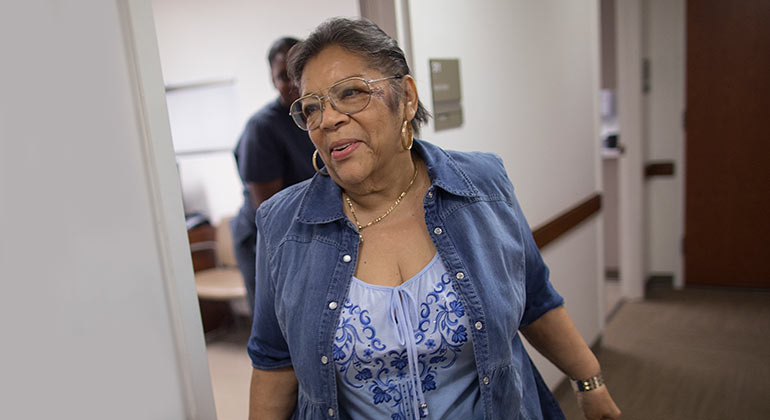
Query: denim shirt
point(306, 256)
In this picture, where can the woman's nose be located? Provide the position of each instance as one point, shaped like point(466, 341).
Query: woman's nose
point(331, 118)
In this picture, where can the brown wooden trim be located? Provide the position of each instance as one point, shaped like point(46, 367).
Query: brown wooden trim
point(204, 256)
point(561, 224)
point(659, 168)
point(611, 273)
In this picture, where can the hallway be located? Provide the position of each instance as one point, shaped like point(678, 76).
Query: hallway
point(693, 354)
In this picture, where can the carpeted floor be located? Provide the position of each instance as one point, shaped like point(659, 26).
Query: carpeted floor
point(693, 354)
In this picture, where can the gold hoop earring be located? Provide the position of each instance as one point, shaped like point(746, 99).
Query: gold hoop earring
point(407, 135)
point(315, 164)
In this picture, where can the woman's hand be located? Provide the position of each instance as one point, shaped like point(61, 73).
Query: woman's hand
point(598, 404)
point(555, 336)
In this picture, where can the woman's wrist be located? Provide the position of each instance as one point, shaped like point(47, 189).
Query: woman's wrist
point(588, 384)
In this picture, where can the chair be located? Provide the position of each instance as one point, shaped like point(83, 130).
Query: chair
point(224, 282)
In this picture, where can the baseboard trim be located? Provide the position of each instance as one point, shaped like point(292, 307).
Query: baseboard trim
point(660, 280)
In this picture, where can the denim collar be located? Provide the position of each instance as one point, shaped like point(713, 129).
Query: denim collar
point(317, 207)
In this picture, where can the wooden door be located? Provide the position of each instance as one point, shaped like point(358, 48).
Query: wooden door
point(727, 208)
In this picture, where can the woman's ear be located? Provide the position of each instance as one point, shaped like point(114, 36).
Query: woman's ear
point(411, 100)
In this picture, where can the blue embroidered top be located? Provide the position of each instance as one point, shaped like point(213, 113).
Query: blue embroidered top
point(306, 256)
point(403, 348)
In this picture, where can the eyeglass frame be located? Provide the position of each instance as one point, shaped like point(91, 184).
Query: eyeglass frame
point(321, 98)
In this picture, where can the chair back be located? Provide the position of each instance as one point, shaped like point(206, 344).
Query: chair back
point(224, 239)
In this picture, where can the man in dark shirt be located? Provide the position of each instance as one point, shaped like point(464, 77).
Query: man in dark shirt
point(272, 154)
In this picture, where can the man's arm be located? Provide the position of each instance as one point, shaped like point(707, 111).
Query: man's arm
point(261, 191)
point(555, 336)
point(273, 394)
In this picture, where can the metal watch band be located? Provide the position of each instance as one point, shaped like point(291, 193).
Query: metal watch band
point(588, 384)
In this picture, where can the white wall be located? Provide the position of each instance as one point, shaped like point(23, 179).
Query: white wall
point(97, 300)
point(665, 47)
point(610, 212)
point(607, 36)
point(527, 74)
point(631, 192)
point(530, 80)
point(221, 39)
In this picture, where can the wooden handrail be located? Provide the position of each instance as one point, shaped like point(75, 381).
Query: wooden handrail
point(566, 221)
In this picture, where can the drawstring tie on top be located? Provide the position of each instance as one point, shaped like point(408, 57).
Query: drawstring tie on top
point(403, 307)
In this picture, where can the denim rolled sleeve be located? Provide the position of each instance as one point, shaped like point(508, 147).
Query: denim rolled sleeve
point(541, 296)
point(267, 345)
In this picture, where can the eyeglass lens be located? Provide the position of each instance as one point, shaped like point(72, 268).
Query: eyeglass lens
point(348, 97)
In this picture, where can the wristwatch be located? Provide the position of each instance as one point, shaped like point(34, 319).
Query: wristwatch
point(588, 384)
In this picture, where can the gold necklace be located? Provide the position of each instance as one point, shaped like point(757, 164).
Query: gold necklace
point(377, 220)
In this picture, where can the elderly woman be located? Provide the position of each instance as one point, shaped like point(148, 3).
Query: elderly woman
point(393, 284)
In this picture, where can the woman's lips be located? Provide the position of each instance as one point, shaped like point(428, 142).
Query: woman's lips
point(342, 150)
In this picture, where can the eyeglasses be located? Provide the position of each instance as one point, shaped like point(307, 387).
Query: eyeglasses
point(348, 96)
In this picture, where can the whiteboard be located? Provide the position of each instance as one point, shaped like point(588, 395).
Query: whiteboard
point(203, 116)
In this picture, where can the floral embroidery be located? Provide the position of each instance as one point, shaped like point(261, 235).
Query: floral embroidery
point(364, 374)
point(459, 335)
point(364, 362)
point(446, 322)
point(380, 395)
point(428, 384)
point(337, 353)
point(457, 308)
point(400, 360)
point(347, 339)
point(437, 359)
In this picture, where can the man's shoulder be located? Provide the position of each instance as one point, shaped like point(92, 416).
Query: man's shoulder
point(268, 112)
point(269, 125)
point(278, 212)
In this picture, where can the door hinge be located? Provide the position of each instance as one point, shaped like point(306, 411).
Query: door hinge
point(646, 76)
point(684, 120)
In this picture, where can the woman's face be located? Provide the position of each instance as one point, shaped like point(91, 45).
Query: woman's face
point(360, 147)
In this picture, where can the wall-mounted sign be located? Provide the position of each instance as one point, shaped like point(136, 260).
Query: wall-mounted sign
point(447, 97)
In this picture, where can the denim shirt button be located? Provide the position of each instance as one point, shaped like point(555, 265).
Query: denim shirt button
point(331, 412)
point(486, 380)
point(332, 305)
point(478, 325)
point(438, 231)
point(347, 258)
point(460, 275)
point(430, 194)
point(324, 359)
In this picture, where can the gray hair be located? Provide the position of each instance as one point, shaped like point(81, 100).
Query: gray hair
point(365, 39)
